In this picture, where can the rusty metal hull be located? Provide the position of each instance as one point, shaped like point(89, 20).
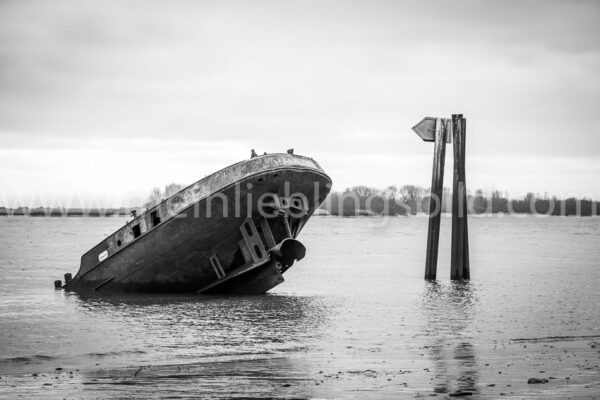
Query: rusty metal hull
point(222, 234)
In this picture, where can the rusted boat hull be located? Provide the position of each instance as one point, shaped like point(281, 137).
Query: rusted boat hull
point(232, 232)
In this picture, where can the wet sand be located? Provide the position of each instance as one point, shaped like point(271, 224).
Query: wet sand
point(568, 366)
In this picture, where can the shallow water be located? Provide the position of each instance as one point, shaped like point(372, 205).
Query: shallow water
point(354, 319)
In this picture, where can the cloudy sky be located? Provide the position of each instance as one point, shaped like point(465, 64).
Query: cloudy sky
point(106, 100)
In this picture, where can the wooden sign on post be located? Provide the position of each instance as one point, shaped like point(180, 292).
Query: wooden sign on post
point(434, 130)
point(426, 129)
point(440, 131)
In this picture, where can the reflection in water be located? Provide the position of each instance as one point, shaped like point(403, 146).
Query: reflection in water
point(190, 328)
point(449, 310)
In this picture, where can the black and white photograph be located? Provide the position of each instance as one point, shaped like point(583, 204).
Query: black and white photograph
point(299, 199)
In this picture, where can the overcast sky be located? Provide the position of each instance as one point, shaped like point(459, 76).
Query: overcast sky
point(106, 100)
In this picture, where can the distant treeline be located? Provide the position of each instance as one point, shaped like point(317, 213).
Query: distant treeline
point(64, 212)
point(412, 200)
point(364, 200)
point(157, 195)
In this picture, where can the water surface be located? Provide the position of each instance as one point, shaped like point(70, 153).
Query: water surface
point(354, 319)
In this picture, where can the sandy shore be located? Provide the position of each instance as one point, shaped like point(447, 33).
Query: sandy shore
point(567, 367)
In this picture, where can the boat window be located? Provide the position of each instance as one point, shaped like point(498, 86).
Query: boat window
point(137, 232)
point(154, 218)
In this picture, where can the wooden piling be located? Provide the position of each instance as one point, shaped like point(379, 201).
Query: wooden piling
point(435, 204)
point(460, 268)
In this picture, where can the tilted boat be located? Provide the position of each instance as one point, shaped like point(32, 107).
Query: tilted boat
point(234, 231)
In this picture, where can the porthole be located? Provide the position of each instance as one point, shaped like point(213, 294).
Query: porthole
point(119, 243)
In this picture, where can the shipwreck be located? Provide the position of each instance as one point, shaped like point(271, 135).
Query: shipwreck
point(234, 231)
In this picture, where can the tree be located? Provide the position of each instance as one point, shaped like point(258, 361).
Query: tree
point(480, 203)
point(156, 196)
point(412, 197)
point(171, 189)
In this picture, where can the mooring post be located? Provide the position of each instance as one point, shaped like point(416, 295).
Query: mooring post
point(434, 130)
point(435, 202)
point(460, 268)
